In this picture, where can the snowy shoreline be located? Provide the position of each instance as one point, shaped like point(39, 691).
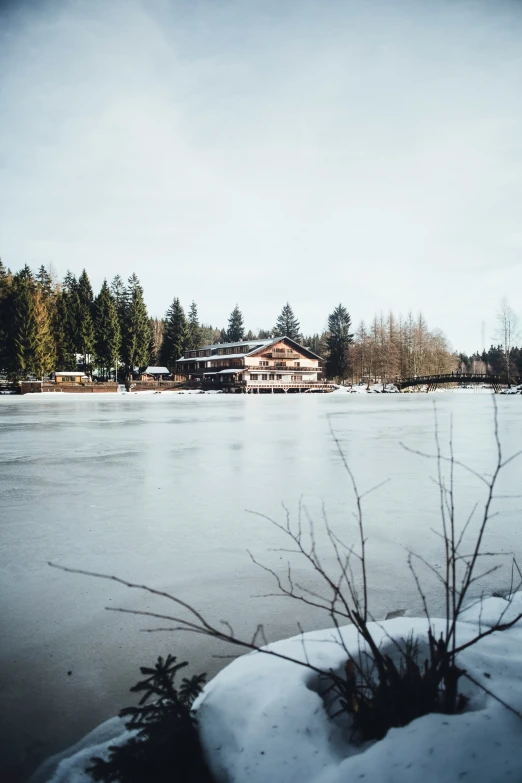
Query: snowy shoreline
point(263, 719)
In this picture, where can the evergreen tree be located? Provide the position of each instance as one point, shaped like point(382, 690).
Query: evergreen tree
point(5, 293)
point(44, 354)
point(316, 343)
point(85, 326)
point(175, 336)
point(157, 327)
point(107, 338)
point(44, 282)
point(338, 341)
point(209, 335)
point(23, 330)
point(135, 336)
point(119, 294)
point(67, 324)
point(70, 282)
point(236, 329)
point(194, 329)
point(287, 324)
point(64, 329)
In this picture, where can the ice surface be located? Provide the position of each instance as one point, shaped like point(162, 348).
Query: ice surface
point(155, 488)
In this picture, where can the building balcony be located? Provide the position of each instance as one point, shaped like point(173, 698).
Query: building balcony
point(282, 355)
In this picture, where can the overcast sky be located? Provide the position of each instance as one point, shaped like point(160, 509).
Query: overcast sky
point(315, 151)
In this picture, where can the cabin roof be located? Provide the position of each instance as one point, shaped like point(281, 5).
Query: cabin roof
point(70, 372)
point(156, 371)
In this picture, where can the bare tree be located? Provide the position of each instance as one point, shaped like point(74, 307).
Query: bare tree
point(507, 333)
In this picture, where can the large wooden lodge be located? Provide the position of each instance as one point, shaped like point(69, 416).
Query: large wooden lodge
point(278, 364)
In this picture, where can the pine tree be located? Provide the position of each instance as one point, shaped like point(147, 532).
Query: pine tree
point(85, 327)
point(44, 355)
point(5, 293)
point(194, 329)
point(64, 332)
point(338, 342)
point(107, 338)
point(67, 324)
point(209, 335)
point(175, 336)
point(44, 282)
point(157, 327)
point(236, 329)
point(23, 328)
point(135, 336)
point(119, 295)
point(287, 324)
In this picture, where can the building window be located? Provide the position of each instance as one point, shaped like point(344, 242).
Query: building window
point(263, 364)
point(297, 364)
point(271, 377)
point(278, 377)
point(264, 377)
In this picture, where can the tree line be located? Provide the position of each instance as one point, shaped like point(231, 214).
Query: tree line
point(47, 325)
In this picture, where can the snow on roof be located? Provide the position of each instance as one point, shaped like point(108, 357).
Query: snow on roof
point(254, 347)
point(156, 371)
point(253, 343)
point(217, 357)
point(71, 372)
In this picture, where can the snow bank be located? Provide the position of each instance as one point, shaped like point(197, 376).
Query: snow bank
point(264, 719)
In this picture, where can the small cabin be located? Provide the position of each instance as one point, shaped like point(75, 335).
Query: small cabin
point(71, 377)
point(155, 374)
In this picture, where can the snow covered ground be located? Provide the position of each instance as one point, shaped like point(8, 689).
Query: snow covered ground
point(264, 719)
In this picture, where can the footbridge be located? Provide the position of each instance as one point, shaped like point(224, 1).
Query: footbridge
point(497, 382)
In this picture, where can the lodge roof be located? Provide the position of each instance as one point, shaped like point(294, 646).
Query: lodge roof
point(254, 343)
point(257, 345)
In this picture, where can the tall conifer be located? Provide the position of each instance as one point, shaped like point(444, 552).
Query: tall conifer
point(44, 354)
point(64, 332)
point(236, 328)
point(5, 292)
point(338, 342)
point(85, 327)
point(194, 329)
point(287, 324)
point(175, 336)
point(135, 338)
point(22, 325)
point(107, 338)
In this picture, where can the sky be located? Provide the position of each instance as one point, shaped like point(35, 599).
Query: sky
point(256, 152)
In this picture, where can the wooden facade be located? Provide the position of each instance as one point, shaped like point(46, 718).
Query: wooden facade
point(70, 377)
point(254, 365)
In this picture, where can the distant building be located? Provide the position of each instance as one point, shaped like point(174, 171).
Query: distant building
point(155, 374)
point(253, 364)
point(71, 377)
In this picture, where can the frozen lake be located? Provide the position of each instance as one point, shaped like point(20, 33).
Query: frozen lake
point(155, 489)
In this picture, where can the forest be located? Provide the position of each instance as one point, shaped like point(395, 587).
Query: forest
point(48, 325)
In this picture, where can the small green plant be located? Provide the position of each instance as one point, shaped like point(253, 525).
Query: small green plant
point(166, 746)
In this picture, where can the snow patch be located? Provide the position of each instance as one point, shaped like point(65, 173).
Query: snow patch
point(265, 719)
